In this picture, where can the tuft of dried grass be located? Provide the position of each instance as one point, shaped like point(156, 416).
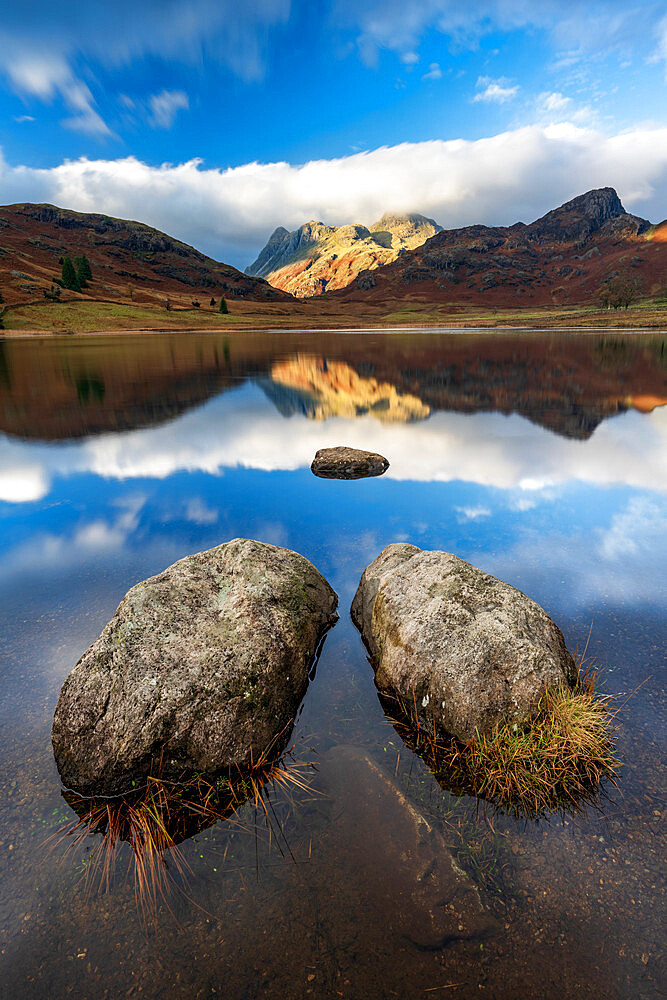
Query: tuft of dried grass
point(155, 819)
point(558, 760)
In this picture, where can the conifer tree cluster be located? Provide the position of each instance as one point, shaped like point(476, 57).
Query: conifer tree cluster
point(77, 274)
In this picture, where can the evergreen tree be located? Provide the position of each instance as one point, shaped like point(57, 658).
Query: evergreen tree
point(223, 305)
point(83, 270)
point(212, 302)
point(69, 277)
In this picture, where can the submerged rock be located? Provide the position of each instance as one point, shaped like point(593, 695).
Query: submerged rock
point(201, 668)
point(460, 649)
point(348, 463)
point(392, 865)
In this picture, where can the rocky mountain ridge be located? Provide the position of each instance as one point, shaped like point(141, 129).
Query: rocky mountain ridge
point(560, 259)
point(316, 258)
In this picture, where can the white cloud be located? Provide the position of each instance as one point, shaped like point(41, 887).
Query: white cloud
point(623, 564)
point(495, 91)
point(43, 75)
point(165, 106)
point(556, 107)
point(23, 483)
point(634, 530)
point(601, 26)
point(21, 119)
point(472, 513)
point(434, 72)
point(42, 56)
point(198, 512)
point(515, 175)
point(554, 102)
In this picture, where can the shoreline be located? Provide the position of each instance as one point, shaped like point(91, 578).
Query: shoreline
point(43, 334)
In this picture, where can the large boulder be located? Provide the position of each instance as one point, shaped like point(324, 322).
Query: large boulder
point(201, 668)
point(348, 463)
point(459, 648)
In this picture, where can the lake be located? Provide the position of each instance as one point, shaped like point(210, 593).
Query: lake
point(539, 457)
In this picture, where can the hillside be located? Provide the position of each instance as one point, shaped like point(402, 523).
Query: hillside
point(560, 259)
point(130, 262)
point(316, 258)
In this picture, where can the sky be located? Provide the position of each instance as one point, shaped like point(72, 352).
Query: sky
point(218, 121)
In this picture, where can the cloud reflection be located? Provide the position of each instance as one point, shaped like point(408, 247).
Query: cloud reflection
point(242, 429)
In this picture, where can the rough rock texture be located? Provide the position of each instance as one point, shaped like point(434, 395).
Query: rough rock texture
point(316, 258)
point(348, 463)
point(207, 661)
point(460, 647)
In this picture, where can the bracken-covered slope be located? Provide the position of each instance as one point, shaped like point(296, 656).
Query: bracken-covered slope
point(316, 258)
point(560, 259)
point(129, 260)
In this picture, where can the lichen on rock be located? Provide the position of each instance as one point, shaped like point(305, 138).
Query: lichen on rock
point(461, 650)
point(201, 668)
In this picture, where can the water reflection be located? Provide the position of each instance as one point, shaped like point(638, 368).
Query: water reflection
point(241, 428)
point(539, 458)
point(61, 389)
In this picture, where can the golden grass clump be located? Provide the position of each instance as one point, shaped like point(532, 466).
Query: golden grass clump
point(558, 760)
point(156, 818)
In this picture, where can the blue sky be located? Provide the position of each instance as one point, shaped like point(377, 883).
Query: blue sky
point(96, 99)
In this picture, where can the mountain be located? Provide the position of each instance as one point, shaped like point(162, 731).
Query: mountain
point(129, 260)
point(560, 259)
point(316, 258)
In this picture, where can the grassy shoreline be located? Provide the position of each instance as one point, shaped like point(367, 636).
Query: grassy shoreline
point(86, 317)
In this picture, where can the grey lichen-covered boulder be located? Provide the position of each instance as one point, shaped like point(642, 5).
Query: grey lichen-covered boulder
point(348, 463)
point(459, 648)
point(202, 666)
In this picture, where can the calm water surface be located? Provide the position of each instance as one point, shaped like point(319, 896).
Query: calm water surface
point(540, 458)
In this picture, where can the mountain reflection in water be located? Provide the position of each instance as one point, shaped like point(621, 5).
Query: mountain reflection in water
point(541, 458)
point(58, 389)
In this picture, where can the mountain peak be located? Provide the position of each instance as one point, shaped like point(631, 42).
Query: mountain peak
point(315, 257)
point(391, 222)
point(579, 218)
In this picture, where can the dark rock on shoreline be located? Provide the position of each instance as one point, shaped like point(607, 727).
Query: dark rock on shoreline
point(459, 648)
point(348, 463)
point(201, 668)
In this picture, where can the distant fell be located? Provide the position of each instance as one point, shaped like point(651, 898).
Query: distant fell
point(129, 260)
point(559, 259)
point(316, 258)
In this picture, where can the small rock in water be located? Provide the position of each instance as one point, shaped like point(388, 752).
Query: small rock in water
point(348, 463)
point(201, 668)
point(460, 649)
